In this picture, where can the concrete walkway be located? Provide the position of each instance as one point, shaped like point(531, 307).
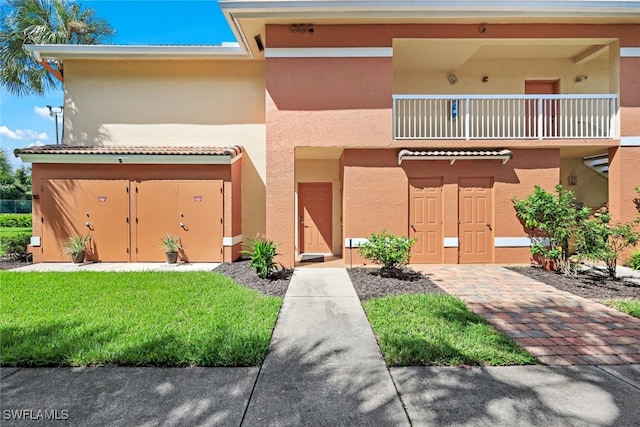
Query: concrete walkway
point(558, 327)
point(323, 366)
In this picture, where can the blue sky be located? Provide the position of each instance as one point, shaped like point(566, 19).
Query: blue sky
point(25, 121)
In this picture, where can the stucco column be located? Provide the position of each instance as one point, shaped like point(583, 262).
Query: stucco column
point(280, 191)
point(623, 178)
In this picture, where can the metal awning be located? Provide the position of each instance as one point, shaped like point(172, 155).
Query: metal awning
point(452, 155)
point(129, 154)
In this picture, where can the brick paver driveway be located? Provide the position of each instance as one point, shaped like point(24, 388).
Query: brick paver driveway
point(558, 327)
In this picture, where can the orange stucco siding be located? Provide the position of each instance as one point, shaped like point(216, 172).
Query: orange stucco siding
point(630, 96)
point(376, 193)
point(372, 35)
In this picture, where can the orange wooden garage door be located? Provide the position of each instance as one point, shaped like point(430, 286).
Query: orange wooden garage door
point(98, 207)
point(425, 220)
point(475, 220)
point(192, 210)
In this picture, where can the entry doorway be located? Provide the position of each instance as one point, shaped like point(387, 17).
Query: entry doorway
point(550, 107)
point(315, 210)
point(475, 216)
point(425, 220)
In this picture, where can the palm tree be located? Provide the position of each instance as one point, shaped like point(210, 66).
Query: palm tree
point(42, 22)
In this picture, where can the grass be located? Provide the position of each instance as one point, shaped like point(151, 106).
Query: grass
point(133, 318)
point(629, 306)
point(427, 329)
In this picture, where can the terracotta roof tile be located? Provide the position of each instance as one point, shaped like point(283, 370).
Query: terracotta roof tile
point(131, 150)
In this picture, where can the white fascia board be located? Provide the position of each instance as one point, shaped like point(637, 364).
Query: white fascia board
point(429, 8)
point(56, 51)
point(129, 159)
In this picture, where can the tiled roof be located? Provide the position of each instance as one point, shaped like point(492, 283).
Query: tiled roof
point(130, 150)
point(453, 155)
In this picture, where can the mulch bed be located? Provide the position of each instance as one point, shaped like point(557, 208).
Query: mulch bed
point(592, 284)
point(369, 284)
point(7, 263)
point(244, 275)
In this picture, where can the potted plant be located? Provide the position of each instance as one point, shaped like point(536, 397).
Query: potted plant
point(171, 245)
point(76, 247)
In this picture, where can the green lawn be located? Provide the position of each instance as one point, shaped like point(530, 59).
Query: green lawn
point(141, 318)
point(427, 329)
point(629, 306)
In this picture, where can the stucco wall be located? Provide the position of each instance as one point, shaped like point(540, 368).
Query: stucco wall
point(376, 193)
point(592, 188)
point(174, 103)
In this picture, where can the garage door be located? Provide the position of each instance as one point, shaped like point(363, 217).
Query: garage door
point(192, 210)
point(96, 207)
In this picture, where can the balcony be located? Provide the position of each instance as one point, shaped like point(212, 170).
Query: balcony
point(504, 116)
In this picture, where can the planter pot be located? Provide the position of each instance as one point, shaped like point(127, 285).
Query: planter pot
point(172, 257)
point(546, 263)
point(78, 258)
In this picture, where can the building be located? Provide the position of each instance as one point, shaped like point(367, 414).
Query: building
point(330, 120)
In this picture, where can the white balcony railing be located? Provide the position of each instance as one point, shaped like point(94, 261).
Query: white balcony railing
point(504, 116)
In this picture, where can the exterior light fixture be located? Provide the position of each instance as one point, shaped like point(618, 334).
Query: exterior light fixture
point(581, 78)
point(453, 79)
point(259, 43)
point(55, 112)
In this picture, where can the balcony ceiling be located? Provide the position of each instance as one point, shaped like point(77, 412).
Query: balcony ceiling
point(450, 54)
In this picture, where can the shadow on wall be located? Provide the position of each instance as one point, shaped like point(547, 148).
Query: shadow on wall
point(86, 129)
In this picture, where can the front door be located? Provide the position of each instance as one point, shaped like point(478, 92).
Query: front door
point(314, 217)
point(475, 215)
point(425, 220)
point(549, 111)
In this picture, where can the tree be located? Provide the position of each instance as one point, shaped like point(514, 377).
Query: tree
point(550, 221)
point(42, 22)
point(14, 185)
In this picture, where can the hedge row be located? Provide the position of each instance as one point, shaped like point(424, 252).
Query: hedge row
point(14, 244)
point(15, 220)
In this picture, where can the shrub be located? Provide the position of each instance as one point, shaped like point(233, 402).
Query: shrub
point(601, 239)
point(388, 250)
point(14, 245)
point(261, 252)
point(550, 220)
point(635, 260)
point(15, 220)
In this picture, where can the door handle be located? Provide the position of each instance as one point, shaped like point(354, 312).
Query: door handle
point(413, 228)
point(489, 225)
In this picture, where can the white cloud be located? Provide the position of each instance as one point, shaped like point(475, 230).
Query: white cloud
point(36, 144)
point(22, 134)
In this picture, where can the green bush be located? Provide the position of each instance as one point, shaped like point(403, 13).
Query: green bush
point(635, 260)
point(388, 250)
point(262, 251)
point(14, 245)
point(15, 220)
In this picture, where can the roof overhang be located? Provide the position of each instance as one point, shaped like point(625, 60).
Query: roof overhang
point(130, 155)
point(451, 156)
point(61, 51)
point(421, 9)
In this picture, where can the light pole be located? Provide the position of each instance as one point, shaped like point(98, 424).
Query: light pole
point(55, 112)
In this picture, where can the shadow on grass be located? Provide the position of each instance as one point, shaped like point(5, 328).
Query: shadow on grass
point(72, 343)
